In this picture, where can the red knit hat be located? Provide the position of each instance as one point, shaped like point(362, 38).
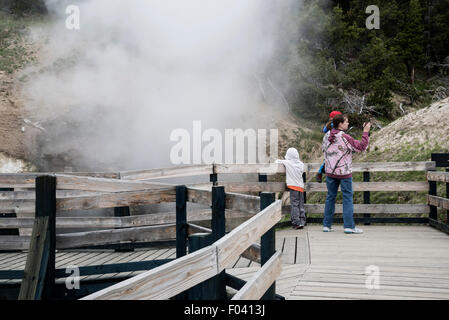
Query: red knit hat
point(333, 114)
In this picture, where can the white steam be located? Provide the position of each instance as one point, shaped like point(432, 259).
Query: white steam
point(110, 93)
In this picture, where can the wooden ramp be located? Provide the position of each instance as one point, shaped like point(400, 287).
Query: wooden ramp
point(412, 263)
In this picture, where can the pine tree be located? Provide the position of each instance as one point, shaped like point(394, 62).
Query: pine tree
point(410, 40)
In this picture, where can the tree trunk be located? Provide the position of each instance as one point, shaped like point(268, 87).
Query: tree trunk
point(410, 71)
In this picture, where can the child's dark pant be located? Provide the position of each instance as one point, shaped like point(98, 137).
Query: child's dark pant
point(298, 211)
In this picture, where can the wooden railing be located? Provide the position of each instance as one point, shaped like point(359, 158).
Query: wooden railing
point(367, 208)
point(211, 250)
point(88, 192)
point(182, 274)
point(80, 193)
point(435, 201)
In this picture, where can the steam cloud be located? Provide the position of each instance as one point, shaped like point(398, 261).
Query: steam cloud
point(110, 93)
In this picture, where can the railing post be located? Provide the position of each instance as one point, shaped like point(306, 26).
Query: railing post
point(433, 192)
point(304, 178)
point(122, 212)
point(218, 226)
point(268, 243)
point(213, 176)
point(181, 228)
point(366, 196)
point(39, 274)
point(8, 232)
point(262, 178)
point(181, 221)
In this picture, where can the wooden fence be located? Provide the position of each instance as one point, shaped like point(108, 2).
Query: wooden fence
point(435, 201)
point(80, 193)
point(210, 249)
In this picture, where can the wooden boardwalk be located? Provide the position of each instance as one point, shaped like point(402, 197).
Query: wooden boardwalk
point(412, 263)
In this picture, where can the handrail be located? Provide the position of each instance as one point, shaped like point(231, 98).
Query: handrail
point(436, 201)
point(173, 172)
point(438, 176)
point(255, 288)
point(181, 274)
point(26, 180)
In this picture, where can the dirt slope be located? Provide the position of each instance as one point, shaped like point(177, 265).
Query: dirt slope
point(412, 137)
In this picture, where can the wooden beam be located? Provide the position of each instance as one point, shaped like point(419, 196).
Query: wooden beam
point(194, 228)
point(179, 171)
point(97, 200)
point(119, 222)
point(39, 274)
point(439, 225)
point(245, 187)
point(273, 168)
point(105, 185)
point(117, 199)
point(16, 242)
point(199, 196)
point(438, 176)
point(388, 186)
point(262, 168)
point(371, 208)
point(255, 288)
point(238, 240)
point(393, 166)
point(252, 253)
point(242, 202)
point(438, 202)
point(31, 195)
point(111, 236)
point(165, 281)
point(94, 238)
point(26, 180)
point(394, 186)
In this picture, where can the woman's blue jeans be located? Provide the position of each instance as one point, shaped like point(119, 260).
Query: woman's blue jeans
point(348, 206)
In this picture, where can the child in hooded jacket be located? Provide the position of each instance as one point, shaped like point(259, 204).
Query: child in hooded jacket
point(294, 169)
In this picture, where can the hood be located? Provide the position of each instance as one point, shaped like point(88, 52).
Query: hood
point(292, 154)
point(332, 135)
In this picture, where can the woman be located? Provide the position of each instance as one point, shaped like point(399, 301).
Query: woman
point(338, 148)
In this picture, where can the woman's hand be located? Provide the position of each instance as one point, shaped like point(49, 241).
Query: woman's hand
point(366, 127)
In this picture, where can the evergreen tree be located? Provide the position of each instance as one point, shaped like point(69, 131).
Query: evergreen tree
point(410, 40)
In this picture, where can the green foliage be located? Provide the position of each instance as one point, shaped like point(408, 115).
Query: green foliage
point(27, 7)
point(12, 53)
point(410, 39)
point(338, 53)
point(439, 26)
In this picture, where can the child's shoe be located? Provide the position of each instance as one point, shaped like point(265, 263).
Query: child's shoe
point(319, 177)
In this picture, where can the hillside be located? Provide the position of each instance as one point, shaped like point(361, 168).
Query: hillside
point(412, 137)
